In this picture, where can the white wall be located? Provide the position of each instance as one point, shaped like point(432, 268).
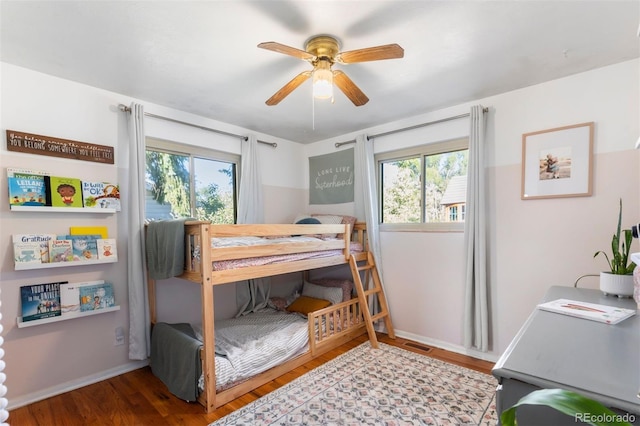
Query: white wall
point(533, 244)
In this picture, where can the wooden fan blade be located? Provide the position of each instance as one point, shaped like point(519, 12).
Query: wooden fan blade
point(388, 51)
point(287, 50)
point(349, 88)
point(288, 88)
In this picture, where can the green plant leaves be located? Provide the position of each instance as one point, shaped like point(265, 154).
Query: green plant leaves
point(620, 258)
point(569, 403)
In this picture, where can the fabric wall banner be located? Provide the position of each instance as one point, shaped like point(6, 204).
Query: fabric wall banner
point(331, 178)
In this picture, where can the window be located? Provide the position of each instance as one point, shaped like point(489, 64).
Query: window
point(424, 188)
point(187, 181)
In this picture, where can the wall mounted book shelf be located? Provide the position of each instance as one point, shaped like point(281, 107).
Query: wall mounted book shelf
point(46, 209)
point(26, 266)
point(23, 324)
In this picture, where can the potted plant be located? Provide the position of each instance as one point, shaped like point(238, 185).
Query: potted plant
point(619, 280)
point(570, 403)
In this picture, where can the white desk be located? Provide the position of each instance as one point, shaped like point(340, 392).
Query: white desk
point(600, 361)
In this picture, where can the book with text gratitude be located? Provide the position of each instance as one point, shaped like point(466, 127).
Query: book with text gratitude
point(41, 239)
point(64, 191)
point(40, 301)
point(26, 253)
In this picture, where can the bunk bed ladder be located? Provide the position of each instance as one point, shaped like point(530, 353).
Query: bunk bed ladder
point(371, 288)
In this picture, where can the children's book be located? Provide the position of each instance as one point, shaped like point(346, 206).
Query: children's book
point(26, 253)
point(20, 172)
point(107, 249)
point(70, 297)
point(89, 230)
point(98, 296)
point(590, 311)
point(41, 239)
point(64, 191)
point(40, 301)
point(60, 251)
point(85, 247)
point(27, 191)
point(101, 195)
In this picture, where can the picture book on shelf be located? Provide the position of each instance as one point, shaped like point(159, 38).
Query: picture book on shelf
point(590, 311)
point(41, 239)
point(107, 249)
point(20, 172)
point(89, 230)
point(26, 253)
point(98, 296)
point(64, 191)
point(84, 247)
point(60, 251)
point(27, 191)
point(101, 195)
point(40, 301)
point(70, 297)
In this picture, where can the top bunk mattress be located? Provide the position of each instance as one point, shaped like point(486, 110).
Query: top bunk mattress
point(249, 241)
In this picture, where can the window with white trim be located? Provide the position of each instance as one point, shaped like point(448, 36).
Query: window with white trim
point(424, 188)
point(188, 181)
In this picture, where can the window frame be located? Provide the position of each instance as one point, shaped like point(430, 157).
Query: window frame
point(193, 151)
point(421, 151)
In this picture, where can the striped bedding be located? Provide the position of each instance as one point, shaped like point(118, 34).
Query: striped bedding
point(253, 343)
point(267, 260)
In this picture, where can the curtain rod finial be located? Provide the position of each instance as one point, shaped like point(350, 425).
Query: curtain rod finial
point(124, 108)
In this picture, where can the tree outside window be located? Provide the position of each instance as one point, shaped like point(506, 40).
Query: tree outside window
point(181, 184)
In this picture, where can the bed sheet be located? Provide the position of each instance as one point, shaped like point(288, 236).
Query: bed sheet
point(253, 343)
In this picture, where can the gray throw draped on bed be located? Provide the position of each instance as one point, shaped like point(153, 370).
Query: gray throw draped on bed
point(165, 248)
point(175, 358)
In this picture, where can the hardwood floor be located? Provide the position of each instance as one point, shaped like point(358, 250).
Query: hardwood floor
point(139, 398)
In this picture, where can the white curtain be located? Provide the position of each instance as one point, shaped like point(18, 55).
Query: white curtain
point(366, 201)
point(254, 294)
point(139, 327)
point(476, 317)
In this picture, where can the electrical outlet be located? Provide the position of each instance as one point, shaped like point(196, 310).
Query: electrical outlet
point(119, 337)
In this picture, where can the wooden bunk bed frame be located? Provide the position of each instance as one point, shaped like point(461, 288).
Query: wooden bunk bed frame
point(328, 328)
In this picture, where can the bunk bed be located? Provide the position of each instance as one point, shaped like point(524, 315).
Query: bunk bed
point(211, 260)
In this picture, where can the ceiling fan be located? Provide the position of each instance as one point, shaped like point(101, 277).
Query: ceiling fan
point(322, 52)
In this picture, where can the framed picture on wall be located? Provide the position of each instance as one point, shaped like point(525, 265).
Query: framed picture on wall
point(557, 162)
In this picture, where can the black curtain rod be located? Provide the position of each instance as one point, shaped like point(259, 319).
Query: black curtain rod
point(417, 126)
point(127, 109)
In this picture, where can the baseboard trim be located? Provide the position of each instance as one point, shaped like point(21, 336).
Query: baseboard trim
point(485, 356)
point(75, 384)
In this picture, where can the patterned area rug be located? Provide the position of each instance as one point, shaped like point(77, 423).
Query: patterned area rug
point(387, 387)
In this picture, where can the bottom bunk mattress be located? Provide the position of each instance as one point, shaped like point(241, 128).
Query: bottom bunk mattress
point(245, 346)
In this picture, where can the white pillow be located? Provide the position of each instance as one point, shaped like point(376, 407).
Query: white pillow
point(332, 294)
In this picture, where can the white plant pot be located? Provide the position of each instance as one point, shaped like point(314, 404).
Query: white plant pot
point(616, 285)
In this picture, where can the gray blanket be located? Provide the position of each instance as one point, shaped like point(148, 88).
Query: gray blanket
point(175, 359)
point(165, 248)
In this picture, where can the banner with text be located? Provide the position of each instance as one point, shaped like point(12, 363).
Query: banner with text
point(56, 147)
point(331, 178)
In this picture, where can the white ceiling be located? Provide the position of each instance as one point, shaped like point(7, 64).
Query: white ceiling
point(201, 56)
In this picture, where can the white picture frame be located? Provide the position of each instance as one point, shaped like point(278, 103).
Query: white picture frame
point(557, 162)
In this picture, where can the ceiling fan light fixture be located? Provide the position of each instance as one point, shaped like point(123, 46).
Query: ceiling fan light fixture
point(322, 80)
